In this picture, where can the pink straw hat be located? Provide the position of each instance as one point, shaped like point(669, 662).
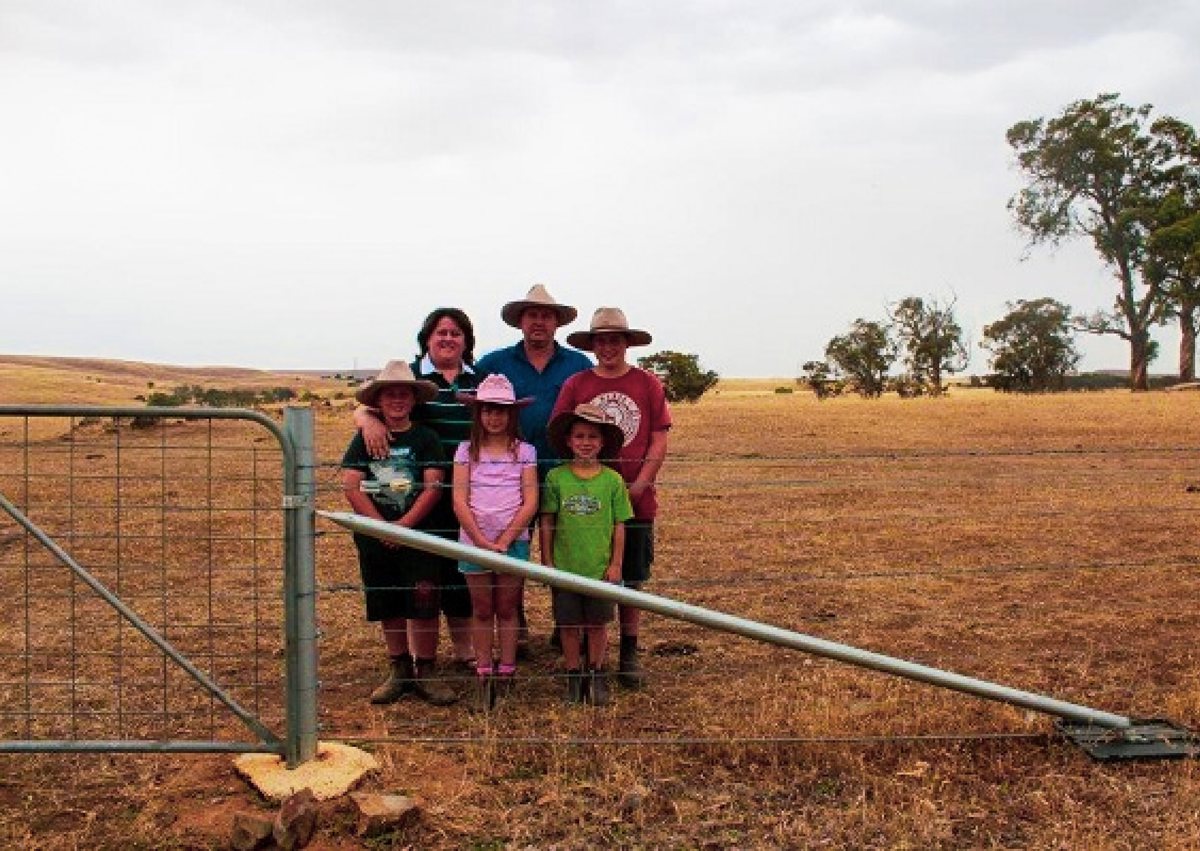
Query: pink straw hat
point(494, 390)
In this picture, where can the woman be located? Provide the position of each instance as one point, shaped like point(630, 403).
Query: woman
point(446, 354)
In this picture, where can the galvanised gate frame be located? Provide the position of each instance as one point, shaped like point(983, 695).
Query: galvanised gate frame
point(123, 511)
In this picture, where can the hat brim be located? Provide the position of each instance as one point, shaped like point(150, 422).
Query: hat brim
point(469, 398)
point(511, 312)
point(560, 427)
point(582, 340)
point(368, 394)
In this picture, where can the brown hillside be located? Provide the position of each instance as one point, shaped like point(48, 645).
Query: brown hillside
point(99, 381)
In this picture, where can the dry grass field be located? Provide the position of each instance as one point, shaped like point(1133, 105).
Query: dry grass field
point(1048, 543)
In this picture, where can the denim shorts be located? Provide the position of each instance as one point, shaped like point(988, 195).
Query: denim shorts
point(517, 549)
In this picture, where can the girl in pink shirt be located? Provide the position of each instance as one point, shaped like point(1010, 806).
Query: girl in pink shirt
point(495, 498)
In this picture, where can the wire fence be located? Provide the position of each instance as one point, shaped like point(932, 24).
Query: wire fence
point(1058, 570)
point(1065, 570)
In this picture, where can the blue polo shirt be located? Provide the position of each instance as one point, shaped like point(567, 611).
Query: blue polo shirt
point(512, 363)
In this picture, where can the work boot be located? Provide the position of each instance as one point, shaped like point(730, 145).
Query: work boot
point(629, 669)
point(598, 694)
point(576, 686)
point(398, 683)
point(484, 697)
point(429, 688)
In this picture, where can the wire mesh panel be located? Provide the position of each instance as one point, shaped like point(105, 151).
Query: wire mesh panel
point(180, 520)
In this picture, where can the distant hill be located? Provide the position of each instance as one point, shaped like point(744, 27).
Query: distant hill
point(34, 379)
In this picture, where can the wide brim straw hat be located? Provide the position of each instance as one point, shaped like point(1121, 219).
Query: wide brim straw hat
point(537, 297)
point(560, 427)
point(495, 389)
point(395, 373)
point(609, 320)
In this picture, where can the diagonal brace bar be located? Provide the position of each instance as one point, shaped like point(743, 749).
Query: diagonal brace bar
point(730, 623)
point(137, 623)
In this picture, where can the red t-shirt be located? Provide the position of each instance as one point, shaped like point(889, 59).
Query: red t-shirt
point(638, 404)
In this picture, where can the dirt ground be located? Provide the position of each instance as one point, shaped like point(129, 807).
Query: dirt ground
point(1047, 543)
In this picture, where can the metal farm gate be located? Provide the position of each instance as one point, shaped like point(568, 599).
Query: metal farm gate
point(148, 558)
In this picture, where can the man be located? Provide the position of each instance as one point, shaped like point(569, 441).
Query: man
point(635, 399)
point(537, 367)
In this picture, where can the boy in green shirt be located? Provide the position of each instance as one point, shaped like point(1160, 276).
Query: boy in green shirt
point(583, 512)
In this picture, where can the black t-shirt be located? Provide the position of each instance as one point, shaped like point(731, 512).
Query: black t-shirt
point(395, 482)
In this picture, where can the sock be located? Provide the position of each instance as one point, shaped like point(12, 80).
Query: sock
point(483, 670)
point(629, 645)
point(507, 670)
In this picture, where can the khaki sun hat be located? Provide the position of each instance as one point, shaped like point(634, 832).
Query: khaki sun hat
point(395, 372)
point(609, 320)
point(537, 297)
point(560, 427)
point(496, 389)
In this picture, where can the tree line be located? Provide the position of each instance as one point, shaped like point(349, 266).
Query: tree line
point(1032, 348)
point(1101, 170)
point(214, 397)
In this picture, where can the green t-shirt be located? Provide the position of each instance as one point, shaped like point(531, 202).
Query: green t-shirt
point(585, 512)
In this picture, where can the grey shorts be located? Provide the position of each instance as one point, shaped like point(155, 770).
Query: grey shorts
point(574, 609)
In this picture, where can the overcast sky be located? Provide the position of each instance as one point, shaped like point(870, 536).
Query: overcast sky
point(297, 183)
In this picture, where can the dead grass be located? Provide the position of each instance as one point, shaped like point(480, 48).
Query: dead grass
point(1046, 543)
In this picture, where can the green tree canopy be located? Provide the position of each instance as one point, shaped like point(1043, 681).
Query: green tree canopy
point(1092, 172)
point(864, 354)
point(1173, 244)
point(931, 339)
point(1032, 347)
point(682, 377)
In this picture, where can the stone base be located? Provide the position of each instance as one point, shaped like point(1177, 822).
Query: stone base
point(335, 771)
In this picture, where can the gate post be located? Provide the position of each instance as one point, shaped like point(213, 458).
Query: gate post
point(300, 586)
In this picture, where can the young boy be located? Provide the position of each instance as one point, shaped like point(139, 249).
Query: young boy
point(636, 401)
point(400, 583)
point(583, 513)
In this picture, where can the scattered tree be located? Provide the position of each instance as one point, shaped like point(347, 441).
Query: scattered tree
point(1032, 347)
point(1173, 244)
point(819, 378)
point(1091, 172)
point(932, 341)
point(863, 355)
point(682, 377)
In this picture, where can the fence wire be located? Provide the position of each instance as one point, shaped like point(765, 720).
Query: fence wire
point(1058, 570)
point(1063, 568)
point(180, 520)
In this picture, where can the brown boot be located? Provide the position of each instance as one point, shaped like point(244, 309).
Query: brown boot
point(597, 692)
point(576, 680)
point(429, 688)
point(483, 698)
point(629, 669)
point(398, 683)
